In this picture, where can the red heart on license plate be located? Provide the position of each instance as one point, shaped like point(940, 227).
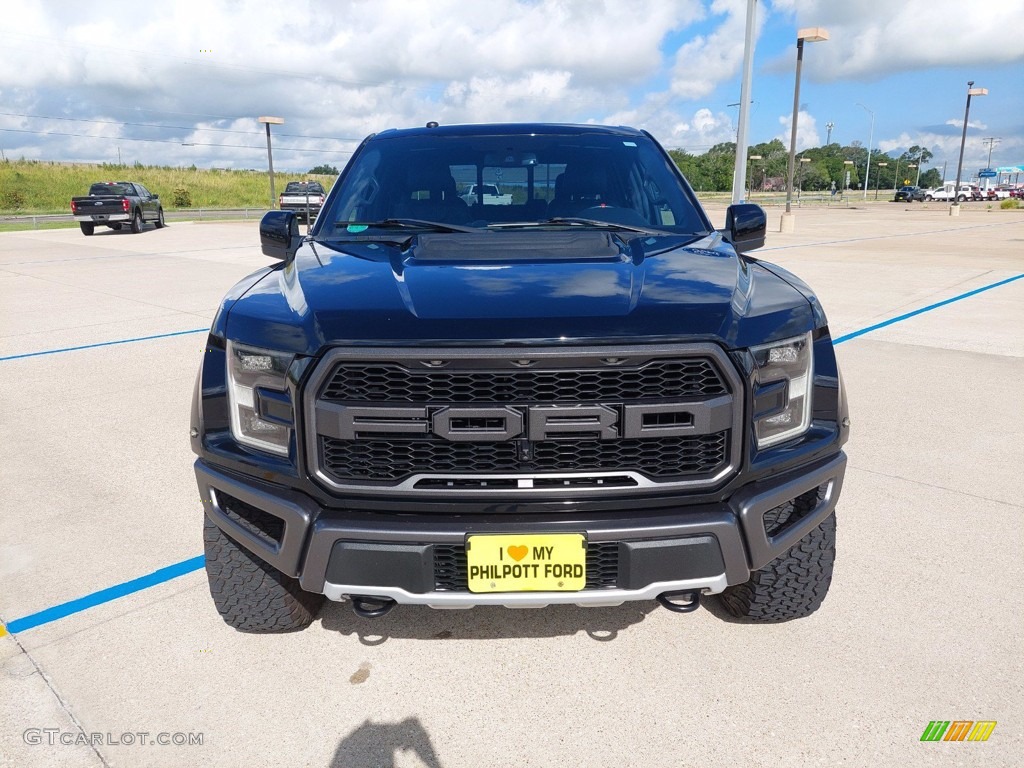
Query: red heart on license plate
point(517, 553)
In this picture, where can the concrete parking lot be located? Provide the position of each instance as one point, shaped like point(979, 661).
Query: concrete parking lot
point(923, 621)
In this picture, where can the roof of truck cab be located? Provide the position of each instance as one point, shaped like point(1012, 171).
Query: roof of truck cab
point(504, 129)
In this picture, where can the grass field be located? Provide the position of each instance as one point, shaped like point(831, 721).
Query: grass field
point(30, 186)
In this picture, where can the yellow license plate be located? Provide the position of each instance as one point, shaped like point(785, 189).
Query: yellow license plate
point(532, 563)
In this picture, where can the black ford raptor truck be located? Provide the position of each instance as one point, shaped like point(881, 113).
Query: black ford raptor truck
point(587, 396)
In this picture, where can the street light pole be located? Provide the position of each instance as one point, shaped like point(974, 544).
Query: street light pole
point(871, 138)
point(878, 176)
point(954, 209)
point(750, 175)
point(739, 181)
point(812, 35)
point(268, 121)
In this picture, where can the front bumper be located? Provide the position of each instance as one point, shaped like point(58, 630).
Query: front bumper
point(340, 553)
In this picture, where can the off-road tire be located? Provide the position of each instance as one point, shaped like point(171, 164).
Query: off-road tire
point(791, 586)
point(160, 223)
point(136, 223)
point(87, 228)
point(251, 595)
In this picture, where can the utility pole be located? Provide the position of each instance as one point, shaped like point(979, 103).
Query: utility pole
point(991, 141)
point(871, 138)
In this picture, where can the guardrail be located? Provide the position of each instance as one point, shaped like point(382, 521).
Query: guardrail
point(188, 214)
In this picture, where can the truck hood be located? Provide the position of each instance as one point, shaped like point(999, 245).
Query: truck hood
point(596, 290)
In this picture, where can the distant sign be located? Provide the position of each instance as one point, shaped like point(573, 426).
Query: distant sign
point(986, 173)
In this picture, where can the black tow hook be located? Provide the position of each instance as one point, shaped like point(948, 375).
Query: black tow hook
point(372, 607)
point(692, 605)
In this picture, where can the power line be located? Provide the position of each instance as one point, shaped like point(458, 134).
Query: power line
point(175, 141)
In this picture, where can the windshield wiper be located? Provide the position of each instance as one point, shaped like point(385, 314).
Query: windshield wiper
point(433, 226)
point(572, 220)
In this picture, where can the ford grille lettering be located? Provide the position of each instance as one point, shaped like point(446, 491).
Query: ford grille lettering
point(534, 422)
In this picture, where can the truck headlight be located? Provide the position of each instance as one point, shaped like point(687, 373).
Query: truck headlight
point(782, 397)
point(261, 411)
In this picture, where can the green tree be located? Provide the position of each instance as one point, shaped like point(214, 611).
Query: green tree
point(325, 170)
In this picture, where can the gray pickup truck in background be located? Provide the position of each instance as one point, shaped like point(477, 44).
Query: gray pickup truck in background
point(116, 203)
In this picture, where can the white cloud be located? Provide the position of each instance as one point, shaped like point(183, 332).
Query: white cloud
point(946, 149)
point(806, 131)
point(704, 62)
point(873, 38)
point(959, 123)
point(331, 70)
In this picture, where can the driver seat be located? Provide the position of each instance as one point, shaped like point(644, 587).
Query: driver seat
point(580, 187)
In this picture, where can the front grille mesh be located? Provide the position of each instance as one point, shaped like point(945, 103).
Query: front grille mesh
point(450, 570)
point(395, 460)
point(390, 382)
point(386, 457)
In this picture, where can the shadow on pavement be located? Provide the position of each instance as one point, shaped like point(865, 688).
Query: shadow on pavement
point(374, 745)
point(486, 622)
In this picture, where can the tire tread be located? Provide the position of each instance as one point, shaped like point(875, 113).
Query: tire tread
point(790, 587)
point(250, 594)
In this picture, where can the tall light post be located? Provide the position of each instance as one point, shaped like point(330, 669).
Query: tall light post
point(811, 35)
point(828, 132)
point(878, 176)
point(800, 178)
point(268, 121)
point(896, 175)
point(914, 165)
point(920, 162)
point(871, 138)
point(750, 177)
point(954, 209)
point(739, 171)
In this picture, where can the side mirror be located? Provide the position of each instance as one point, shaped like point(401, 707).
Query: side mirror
point(279, 234)
point(745, 226)
point(155, 196)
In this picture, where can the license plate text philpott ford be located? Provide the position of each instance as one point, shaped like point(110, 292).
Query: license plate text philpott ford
point(527, 563)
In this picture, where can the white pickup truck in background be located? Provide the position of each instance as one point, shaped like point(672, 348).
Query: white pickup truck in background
point(945, 192)
point(303, 197)
point(487, 194)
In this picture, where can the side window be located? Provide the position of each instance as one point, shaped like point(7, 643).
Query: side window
point(143, 192)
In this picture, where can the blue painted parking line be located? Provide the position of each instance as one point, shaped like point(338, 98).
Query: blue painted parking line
point(196, 563)
point(106, 595)
point(922, 310)
point(104, 344)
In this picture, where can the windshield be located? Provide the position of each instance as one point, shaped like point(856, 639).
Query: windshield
point(512, 181)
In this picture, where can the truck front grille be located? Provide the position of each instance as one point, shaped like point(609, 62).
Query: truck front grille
point(392, 383)
point(490, 422)
point(400, 459)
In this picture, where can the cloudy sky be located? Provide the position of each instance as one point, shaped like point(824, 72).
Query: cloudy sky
point(182, 82)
